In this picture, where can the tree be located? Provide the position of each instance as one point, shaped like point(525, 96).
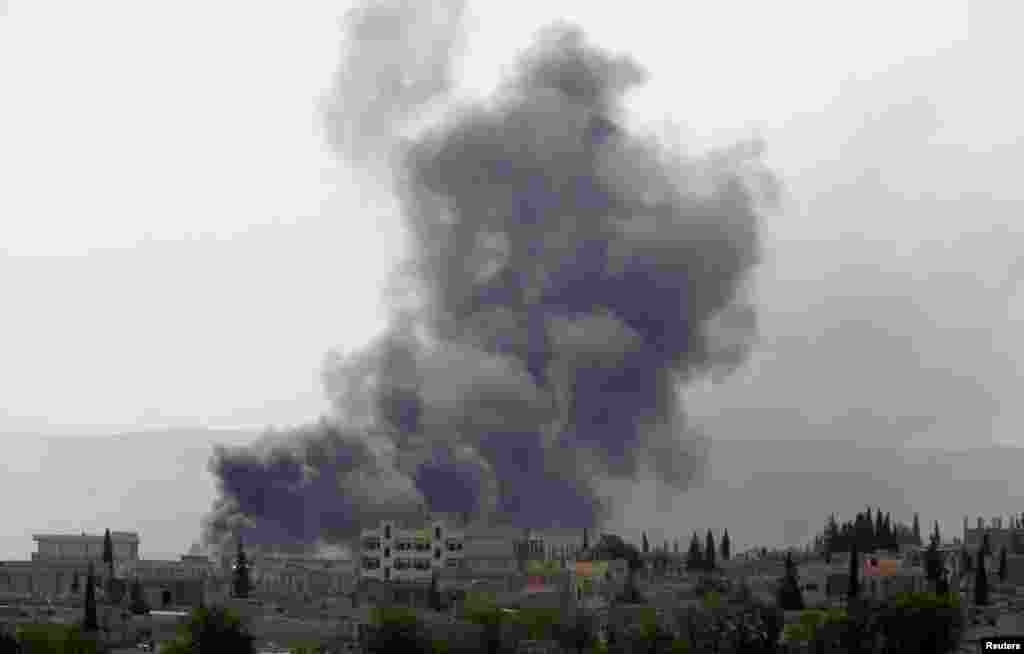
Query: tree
point(853, 585)
point(108, 552)
point(89, 622)
point(694, 558)
point(933, 563)
point(917, 530)
point(9, 643)
point(242, 582)
point(790, 597)
point(726, 546)
point(980, 581)
point(611, 548)
point(214, 630)
point(138, 600)
point(646, 546)
point(434, 595)
point(709, 552)
point(935, 533)
point(586, 539)
point(965, 559)
point(986, 545)
point(76, 583)
point(1002, 564)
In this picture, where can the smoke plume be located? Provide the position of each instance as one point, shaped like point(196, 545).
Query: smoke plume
point(568, 277)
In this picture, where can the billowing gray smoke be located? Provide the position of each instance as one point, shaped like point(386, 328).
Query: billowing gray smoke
point(569, 277)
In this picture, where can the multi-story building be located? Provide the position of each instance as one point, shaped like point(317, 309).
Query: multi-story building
point(393, 552)
point(85, 547)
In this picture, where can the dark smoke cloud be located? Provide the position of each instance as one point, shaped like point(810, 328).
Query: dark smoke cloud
point(567, 278)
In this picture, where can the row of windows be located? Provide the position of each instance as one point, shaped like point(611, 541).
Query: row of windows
point(415, 564)
point(387, 533)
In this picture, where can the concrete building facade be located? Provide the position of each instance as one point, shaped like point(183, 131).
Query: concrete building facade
point(392, 552)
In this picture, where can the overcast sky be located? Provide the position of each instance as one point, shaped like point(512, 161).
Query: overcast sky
point(177, 245)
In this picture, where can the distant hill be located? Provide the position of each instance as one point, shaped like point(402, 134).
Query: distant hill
point(766, 491)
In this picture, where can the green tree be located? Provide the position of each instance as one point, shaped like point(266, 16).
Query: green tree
point(853, 582)
point(90, 623)
point(981, 581)
point(242, 582)
point(726, 546)
point(397, 630)
point(917, 530)
point(214, 630)
point(709, 552)
point(1002, 564)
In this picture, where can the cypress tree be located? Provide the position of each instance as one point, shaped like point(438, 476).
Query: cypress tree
point(1002, 564)
point(935, 533)
point(646, 545)
point(917, 530)
point(980, 582)
point(853, 584)
point(709, 552)
point(790, 597)
point(726, 546)
point(242, 583)
point(933, 563)
point(108, 552)
point(90, 623)
point(694, 558)
point(138, 601)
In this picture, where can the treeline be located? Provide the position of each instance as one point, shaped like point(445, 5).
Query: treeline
point(868, 532)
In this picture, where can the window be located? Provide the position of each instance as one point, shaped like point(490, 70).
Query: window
point(402, 564)
point(387, 531)
point(371, 543)
point(437, 552)
point(422, 564)
point(371, 563)
point(387, 552)
point(422, 546)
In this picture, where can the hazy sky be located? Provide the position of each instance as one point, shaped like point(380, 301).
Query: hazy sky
point(177, 246)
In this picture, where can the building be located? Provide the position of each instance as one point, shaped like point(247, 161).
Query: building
point(392, 552)
point(1009, 534)
point(285, 576)
point(85, 547)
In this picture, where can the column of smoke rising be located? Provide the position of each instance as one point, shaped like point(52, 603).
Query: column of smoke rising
point(567, 275)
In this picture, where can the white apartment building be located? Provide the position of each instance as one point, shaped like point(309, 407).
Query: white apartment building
point(394, 553)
